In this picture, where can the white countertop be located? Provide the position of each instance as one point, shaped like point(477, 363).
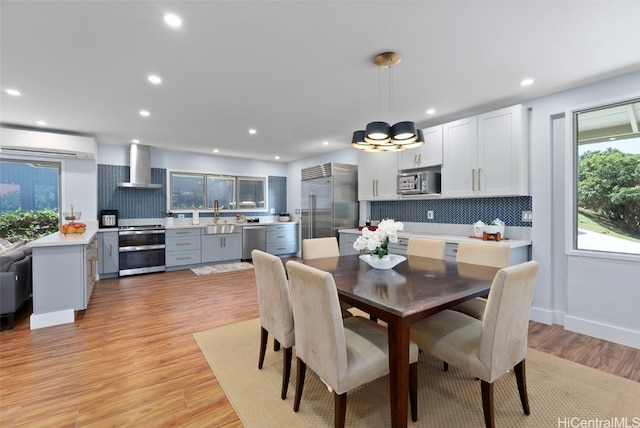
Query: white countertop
point(57, 239)
point(449, 238)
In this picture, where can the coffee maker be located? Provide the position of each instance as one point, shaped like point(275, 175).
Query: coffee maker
point(108, 218)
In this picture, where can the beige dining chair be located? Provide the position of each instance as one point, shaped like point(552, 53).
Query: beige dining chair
point(485, 254)
point(316, 248)
point(344, 353)
point(425, 247)
point(320, 248)
point(276, 314)
point(490, 347)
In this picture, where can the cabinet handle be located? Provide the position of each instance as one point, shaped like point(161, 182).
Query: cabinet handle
point(373, 187)
point(183, 258)
point(183, 243)
point(479, 172)
point(473, 180)
point(420, 158)
point(110, 250)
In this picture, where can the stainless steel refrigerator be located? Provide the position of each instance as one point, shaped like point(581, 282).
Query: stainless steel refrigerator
point(329, 199)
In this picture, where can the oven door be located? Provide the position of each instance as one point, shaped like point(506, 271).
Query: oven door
point(141, 259)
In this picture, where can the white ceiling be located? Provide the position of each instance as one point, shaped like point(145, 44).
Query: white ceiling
point(300, 73)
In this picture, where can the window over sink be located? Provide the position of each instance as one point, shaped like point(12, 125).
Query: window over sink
point(200, 191)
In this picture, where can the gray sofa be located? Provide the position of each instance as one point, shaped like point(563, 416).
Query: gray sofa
point(15, 283)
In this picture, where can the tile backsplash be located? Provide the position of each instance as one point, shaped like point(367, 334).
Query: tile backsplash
point(152, 203)
point(455, 211)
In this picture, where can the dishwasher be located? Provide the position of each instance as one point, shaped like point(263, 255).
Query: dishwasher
point(253, 238)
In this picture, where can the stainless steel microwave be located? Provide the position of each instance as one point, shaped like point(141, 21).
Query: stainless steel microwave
point(413, 183)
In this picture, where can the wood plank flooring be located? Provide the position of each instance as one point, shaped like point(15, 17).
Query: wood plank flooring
point(131, 360)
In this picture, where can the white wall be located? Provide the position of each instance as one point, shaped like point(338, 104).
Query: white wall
point(590, 295)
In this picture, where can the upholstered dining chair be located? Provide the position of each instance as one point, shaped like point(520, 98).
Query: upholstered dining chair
point(490, 347)
point(344, 353)
point(425, 247)
point(276, 314)
point(316, 248)
point(485, 254)
point(319, 248)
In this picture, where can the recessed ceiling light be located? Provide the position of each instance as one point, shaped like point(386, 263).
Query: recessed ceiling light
point(156, 80)
point(431, 111)
point(173, 20)
point(526, 82)
point(252, 131)
point(325, 143)
point(215, 150)
point(144, 113)
point(41, 123)
point(276, 157)
point(135, 141)
point(13, 92)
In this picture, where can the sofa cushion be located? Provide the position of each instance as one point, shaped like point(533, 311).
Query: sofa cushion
point(6, 260)
point(6, 249)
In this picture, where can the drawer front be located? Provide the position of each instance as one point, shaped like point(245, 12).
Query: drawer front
point(274, 237)
point(178, 233)
point(183, 243)
point(178, 258)
point(282, 248)
point(282, 227)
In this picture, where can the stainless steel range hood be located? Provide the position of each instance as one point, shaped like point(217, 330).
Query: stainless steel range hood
point(140, 168)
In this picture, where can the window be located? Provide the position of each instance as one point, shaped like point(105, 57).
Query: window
point(29, 198)
point(200, 191)
point(607, 178)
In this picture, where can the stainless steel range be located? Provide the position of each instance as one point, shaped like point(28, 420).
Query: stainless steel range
point(141, 249)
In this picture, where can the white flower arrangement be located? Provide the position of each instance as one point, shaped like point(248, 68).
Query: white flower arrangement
point(377, 241)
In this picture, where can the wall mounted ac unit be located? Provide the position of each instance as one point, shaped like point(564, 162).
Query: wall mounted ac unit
point(23, 142)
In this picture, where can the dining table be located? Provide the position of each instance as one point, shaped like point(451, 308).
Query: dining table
point(413, 290)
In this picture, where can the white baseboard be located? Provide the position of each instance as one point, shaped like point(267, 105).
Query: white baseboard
point(52, 318)
point(603, 331)
point(544, 316)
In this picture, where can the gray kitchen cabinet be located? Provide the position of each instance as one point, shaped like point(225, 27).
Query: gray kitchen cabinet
point(182, 247)
point(282, 239)
point(346, 244)
point(221, 247)
point(108, 262)
point(63, 277)
point(429, 154)
point(487, 155)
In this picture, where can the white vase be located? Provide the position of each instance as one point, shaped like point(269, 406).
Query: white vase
point(387, 262)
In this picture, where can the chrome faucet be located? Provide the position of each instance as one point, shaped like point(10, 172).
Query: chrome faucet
point(216, 212)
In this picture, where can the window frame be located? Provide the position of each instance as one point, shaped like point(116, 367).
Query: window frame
point(208, 205)
point(571, 178)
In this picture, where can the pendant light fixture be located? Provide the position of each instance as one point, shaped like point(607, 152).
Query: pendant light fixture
point(380, 136)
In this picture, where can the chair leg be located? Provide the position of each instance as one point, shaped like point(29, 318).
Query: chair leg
point(264, 335)
point(413, 390)
point(286, 371)
point(276, 345)
point(302, 369)
point(340, 401)
point(521, 377)
point(445, 366)
point(487, 404)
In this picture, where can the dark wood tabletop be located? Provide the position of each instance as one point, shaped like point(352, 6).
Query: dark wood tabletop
point(413, 290)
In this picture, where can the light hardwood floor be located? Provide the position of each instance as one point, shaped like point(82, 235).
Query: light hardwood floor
point(130, 359)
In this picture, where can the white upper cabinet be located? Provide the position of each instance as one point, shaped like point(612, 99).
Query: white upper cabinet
point(487, 155)
point(429, 154)
point(377, 175)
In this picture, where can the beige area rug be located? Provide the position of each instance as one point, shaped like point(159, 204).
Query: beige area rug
point(221, 268)
point(559, 390)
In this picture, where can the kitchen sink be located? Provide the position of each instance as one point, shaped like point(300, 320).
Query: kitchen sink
point(213, 229)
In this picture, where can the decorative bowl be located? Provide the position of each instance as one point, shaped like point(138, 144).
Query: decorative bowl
point(387, 262)
point(76, 215)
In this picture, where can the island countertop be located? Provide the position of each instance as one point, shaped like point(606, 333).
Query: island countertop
point(58, 239)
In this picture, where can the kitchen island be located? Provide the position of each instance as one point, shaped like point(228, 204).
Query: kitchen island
point(64, 271)
point(520, 248)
